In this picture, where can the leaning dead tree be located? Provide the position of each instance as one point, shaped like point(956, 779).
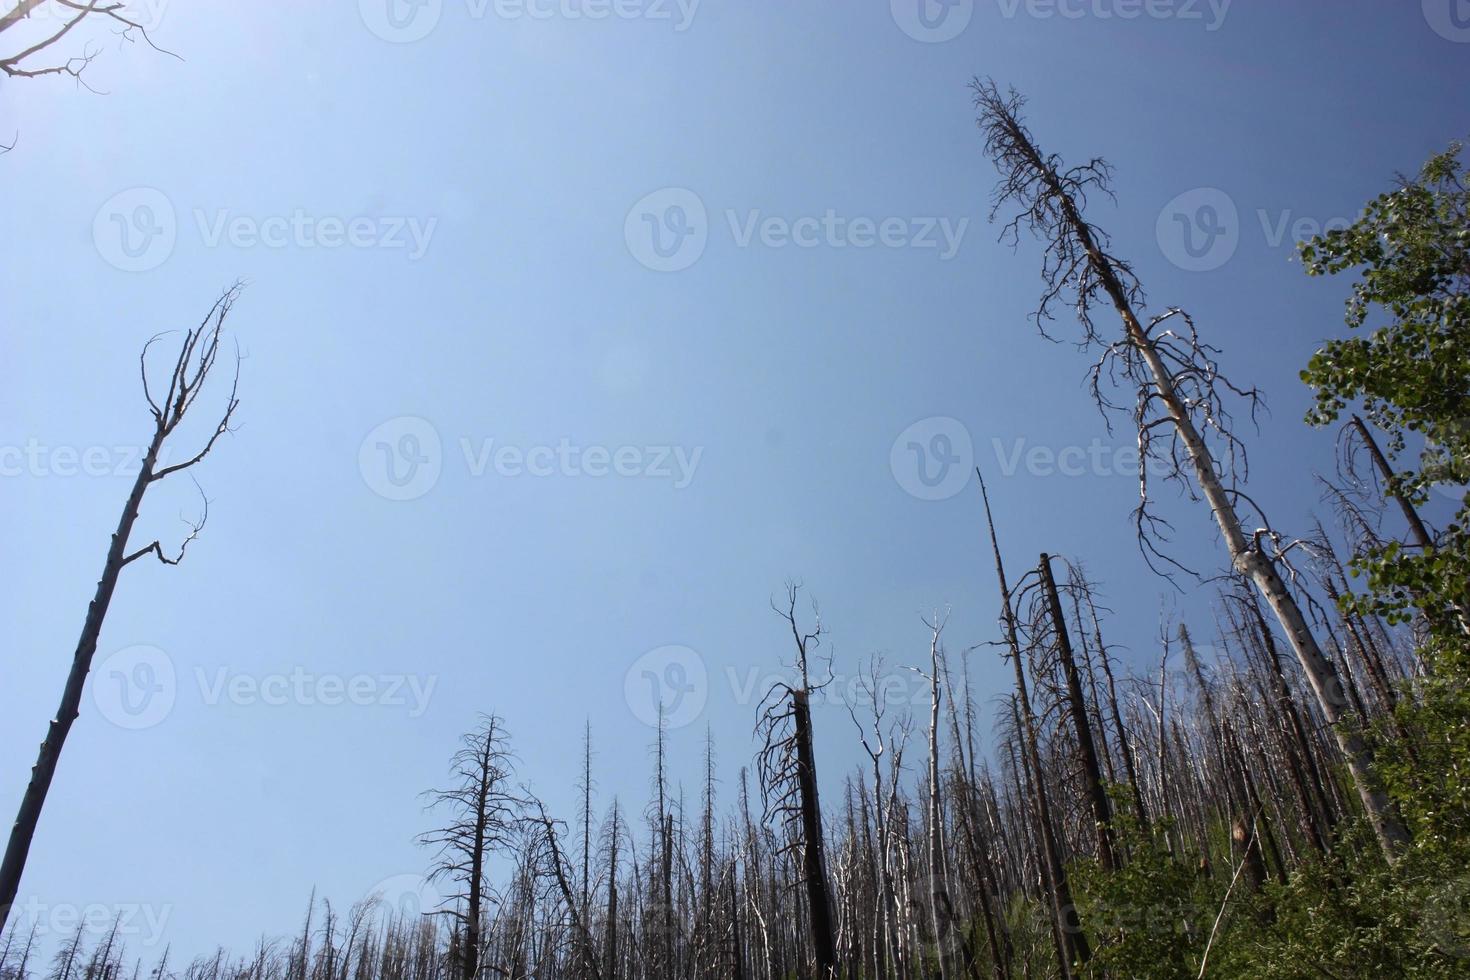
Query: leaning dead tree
point(788, 772)
point(1072, 944)
point(1179, 401)
point(192, 367)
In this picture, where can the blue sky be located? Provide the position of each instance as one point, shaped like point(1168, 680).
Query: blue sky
point(624, 444)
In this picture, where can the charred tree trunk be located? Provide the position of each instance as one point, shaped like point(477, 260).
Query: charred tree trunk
point(1063, 908)
point(1097, 794)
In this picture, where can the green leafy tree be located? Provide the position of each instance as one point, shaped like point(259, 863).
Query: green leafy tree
point(1411, 374)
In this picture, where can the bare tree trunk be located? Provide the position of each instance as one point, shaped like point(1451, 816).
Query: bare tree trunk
point(1015, 145)
point(1064, 910)
point(191, 369)
point(1097, 795)
point(1421, 534)
point(814, 864)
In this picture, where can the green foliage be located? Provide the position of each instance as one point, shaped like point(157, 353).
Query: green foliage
point(1411, 250)
point(1153, 916)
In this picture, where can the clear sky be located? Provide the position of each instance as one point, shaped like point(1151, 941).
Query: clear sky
point(569, 339)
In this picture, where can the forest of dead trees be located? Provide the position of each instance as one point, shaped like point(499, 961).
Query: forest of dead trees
point(1181, 817)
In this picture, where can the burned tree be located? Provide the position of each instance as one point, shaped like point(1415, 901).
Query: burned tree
point(788, 773)
point(192, 367)
point(484, 817)
point(1179, 401)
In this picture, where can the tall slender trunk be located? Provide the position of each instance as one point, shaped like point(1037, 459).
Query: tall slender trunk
point(1245, 554)
point(1421, 534)
point(1097, 794)
point(814, 863)
point(1063, 909)
point(24, 829)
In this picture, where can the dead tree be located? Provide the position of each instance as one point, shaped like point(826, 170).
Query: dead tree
point(1074, 945)
point(550, 861)
point(788, 773)
point(1097, 794)
point(1178, 401)
point(34, 55)
point(484, 816)
point(192, 366)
